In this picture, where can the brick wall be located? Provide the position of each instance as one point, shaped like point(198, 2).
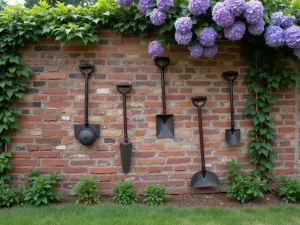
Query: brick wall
point(54, 103)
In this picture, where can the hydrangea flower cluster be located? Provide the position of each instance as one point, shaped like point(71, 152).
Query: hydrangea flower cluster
point(258, 28)
point(254, 11)
point(222, 16)
point(155, 49)
point(236, 31)
point(144, 5)
point(183, 27)
point(210, 51)
point(274, 36)
point(208, 37)
point(198, 7)
point(183, 39)
point(196, 50)
point(235, 7)
point(292, 37)
point(164, 5)
point(279, 19)
point(125, 2)
point(158, 17)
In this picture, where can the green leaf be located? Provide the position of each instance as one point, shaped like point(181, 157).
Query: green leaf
point(142, 26)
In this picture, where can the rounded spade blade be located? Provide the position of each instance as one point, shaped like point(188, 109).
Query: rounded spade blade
point(233, 136)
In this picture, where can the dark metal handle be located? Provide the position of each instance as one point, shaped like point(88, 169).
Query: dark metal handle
point(86, 69)
point(90, 68)
point(230, 76)
point(124, 88)
point(199, 101)
point(162, 63)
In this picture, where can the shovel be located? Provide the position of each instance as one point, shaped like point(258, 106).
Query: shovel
point(126, 147)
point(233, 136)
point(164, 122)
point(86, 133)
point(203, 178)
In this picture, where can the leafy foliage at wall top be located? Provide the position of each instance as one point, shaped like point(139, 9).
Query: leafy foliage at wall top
point(19, 25)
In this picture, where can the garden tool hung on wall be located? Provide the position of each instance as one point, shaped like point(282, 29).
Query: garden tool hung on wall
point(164, 122)
point(233, 136)
point(203, 178)
point(126, 146)
point(86, 133)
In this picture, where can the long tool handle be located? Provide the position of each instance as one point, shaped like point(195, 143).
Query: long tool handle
point(86, 70)
point(125, 118)
point(231, 104)
point(201, 139)
point(163, 91)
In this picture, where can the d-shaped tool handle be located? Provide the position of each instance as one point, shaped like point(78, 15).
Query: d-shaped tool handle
point(162, 62)
point(124, 88)
point(230, 75)
point(87, 69)
point(199, 101)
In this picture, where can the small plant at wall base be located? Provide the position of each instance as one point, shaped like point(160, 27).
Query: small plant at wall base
point(8, 196)
point(155, 195)
point(40, 190)
point(86, 190)
point(241, 186)
point(289, 189)
point(124, 193)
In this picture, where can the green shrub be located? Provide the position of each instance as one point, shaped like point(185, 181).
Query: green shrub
point(241, 186)
point(8, 197)
point(124, 193)
point(86, 190)
point(155, 195)
point(40, 190)
point(289, 189)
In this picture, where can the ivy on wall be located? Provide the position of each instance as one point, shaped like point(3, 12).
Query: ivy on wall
point(19, 25)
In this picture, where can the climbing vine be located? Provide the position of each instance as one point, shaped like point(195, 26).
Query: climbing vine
point(19, 25)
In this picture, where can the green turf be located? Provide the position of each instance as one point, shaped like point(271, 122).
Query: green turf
point(112, 214)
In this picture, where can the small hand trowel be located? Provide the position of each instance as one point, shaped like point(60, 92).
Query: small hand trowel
point(233, 136)
point(126, 147)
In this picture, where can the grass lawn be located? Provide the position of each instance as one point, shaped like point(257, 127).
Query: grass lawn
point(112, 214)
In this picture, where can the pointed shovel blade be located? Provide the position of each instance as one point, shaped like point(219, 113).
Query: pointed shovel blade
point(233, 136)
point(126, 152)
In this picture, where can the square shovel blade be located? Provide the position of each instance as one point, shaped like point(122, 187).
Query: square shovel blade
point(233, 137)
point(165, 126)
point(126, 152)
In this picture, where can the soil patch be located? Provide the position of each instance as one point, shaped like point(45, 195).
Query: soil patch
point(215, 200)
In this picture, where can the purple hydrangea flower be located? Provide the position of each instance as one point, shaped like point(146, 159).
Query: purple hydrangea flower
point(183, 25)
point(274, 36)
point(144, 5)
point(258, 28)
point(288, 21)
point(277, 18)
point(164, 5)
point(236, 31)
point(125, 2)
point(292, 37)
point(210, 51)
point(222, 16)
point(183, 39)
point(155, 48)
point(297, 52)
point(235, 7)
point(158, 17)
point(198, 7)
point(208, 37)
point(196, 50)
point(254, 11)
